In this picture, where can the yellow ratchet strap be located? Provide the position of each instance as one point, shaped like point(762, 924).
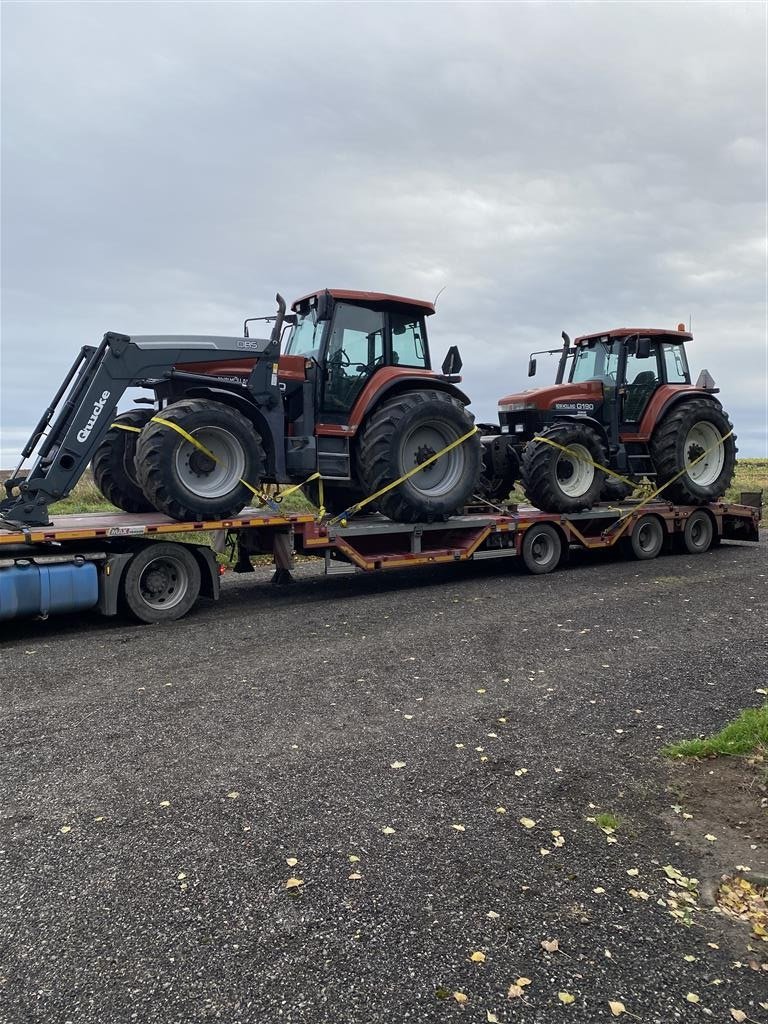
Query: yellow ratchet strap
point(343, 516)
point(597, 465)
point(260, 496)
point(296, 487)
point(124, 426)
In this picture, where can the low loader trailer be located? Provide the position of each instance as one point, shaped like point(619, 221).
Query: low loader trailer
point(135, 563)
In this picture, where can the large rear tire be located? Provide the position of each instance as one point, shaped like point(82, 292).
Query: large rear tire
point(688, 431)
point(557, 481)
point(403, 432)
point(114, 472)
point(182, 481)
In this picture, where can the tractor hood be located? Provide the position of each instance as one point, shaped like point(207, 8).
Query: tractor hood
point(583, 397)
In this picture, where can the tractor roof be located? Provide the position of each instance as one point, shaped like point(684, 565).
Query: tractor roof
point(369, 299)
point(678, 335)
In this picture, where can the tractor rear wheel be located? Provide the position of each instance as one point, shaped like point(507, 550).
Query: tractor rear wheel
point(559, 481)
point(689, 441)
point(114, 472)
point(186, 483)
point(404, 432)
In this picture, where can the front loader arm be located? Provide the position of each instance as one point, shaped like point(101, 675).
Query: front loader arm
point(100, 377)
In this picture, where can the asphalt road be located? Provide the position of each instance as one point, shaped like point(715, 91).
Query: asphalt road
point(157, 779)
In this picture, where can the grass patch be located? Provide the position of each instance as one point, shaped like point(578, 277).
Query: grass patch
point(608, 820)
point(744, 735)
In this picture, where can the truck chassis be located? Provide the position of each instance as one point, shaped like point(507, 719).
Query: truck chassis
point(121, 562)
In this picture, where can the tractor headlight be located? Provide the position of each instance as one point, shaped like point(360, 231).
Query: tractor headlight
point(516, 406)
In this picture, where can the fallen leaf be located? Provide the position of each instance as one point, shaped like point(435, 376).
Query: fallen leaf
point(522, 982)
point(566, 997)
point(690, 958)
point(616, 1007)
point(633, 872)
point(514, 992)
point(738, 1015)
point(477, 957)
point(713, 945)
point(397, 764)
point(354, 859)
point(481, 691)
point(355, 876)
point(544, 851)
point(64, 829)
point(164, 803)
point(638, 894)
point(460, 998)
point(527, 822)
point(599, 890)
point(181, 875)
point(294, 883)
point(233, 794)
point(710, 838)
point(551, 945)
point(491, 1018)
point(521, 771)
point(459, 828)
point(693, 998)
point(501, 810)
point(388, 831)
point(291, 862)
point(492, 914)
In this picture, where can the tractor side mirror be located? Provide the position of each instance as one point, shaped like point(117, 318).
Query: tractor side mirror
point(324, 306)
point(452, 363)
point(643, 350)
point(291, 319)
point(532, 367)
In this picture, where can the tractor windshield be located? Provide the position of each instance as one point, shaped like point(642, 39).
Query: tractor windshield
point(305, 337)
point(598, 361)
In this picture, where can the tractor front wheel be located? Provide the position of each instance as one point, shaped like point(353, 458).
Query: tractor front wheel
point(403, 433)
point(186, 482)
point(692, 452)
point(114, 472)
point(558, 480)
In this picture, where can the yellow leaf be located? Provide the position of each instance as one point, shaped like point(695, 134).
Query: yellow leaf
point(397, 764)
point(64, 829)
point(599, 890)
point(164, 803)
point(181, 875)
point(690, 958)
point(491, 1018)
point(738, 1015)
point(710, 838)
point(492, 914)
point(353, 859)
point(551, 945)
point(355, 876)
point(527, 822)
point(294, 883)
point(566, 997)
point(459, 828)
point(388, 831)
point(544, 851)
point(514, 992)
point(233, 794)
point(291, 862)
point(638, 894)
point(477, 957)
point(501, 810)
point(633, 872)
point(522, 982)
point(460, 997)
point(616, 1007)
point(693, 998)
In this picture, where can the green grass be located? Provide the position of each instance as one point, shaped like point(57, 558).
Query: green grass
point(607, 820)
point(744, 735)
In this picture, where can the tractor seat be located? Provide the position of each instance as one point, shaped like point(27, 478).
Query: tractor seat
point(638, 394)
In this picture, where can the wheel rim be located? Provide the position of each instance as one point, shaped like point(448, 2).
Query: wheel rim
point(699, 531)
point(574, 470)
point(704, 437)
point(164, 582)
point(442, 476)
point(201, 475)
point(647, 537)
point(542, 548)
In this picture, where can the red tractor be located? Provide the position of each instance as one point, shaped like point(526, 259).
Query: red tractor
point(622, 399)
point(346, 390)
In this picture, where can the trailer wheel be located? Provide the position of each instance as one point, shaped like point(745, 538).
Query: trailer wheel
point(541, 549)
point(161, 583)
point(183, 481)
point(698, 533)
point(647, 537)
point(112, 464)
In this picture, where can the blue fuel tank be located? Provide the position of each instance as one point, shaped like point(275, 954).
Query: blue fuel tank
point(30, 589)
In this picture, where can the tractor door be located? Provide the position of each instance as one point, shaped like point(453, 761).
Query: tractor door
point(354, 352)
point(641, 379)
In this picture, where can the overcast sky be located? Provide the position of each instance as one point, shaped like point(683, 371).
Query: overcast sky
point(169, 167)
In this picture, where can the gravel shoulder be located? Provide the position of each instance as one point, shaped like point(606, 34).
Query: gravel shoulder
point(158, 779)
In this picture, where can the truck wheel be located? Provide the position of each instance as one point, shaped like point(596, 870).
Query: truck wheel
point(698, 533)
point(557, 481)
point(647, 537)
point(113, 467)
point(161, 583)
point(336, 497)
point(615, 491)
point(541, 548)
point(688, 431)
point(403, 432)
point(184, 482)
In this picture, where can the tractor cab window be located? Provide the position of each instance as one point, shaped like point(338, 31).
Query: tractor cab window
point(642, 379)
point(599, 361)
point(355, 351)
point(408, 341)
point(305, 337)
point(676, 364)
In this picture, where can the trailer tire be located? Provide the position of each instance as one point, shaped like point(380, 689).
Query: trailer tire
point(691, 428)
point(112, 465)
point(160, 583)
point(542, 548)
point(647, 537)
point(402, 432)
point(557, 481)
point(698, 533)
point(182, 481)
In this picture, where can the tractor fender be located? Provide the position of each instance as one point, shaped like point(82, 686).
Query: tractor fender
point(665, 399)
point(596, 425)
point(268, 422)
point(371, 396)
